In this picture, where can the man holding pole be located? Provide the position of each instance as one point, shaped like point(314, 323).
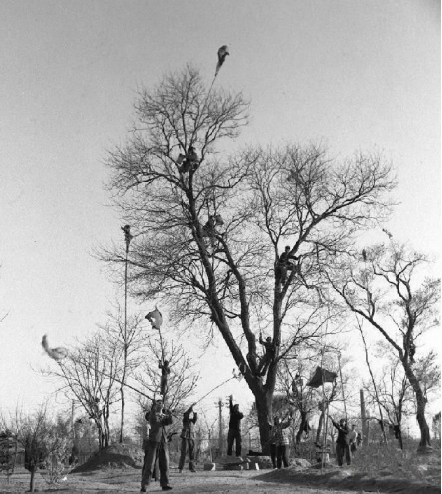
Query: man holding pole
point(157, 444)
point(234, 433)
point(188, 439)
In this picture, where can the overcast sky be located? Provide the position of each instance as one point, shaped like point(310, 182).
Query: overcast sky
point(356, 75)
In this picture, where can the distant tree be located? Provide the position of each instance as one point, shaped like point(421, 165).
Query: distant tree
point(90, 373)
point(128, 337)
point(211, 228)
point(385, 288)
point(182, 381)
point(41, 438)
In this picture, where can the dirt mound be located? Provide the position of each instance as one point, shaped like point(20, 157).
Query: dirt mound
point(114, 456)
point(347, 479)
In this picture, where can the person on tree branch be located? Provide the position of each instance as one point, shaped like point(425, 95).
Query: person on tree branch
point(189, 162)
point(165, 372)
point(234, 433)
point(269, 355)
point(188, 439)
point(284, 263)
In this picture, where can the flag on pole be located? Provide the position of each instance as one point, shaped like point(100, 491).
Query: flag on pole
point(222, 54)
point(321, 376)
point(155, 318)
point(56, 353)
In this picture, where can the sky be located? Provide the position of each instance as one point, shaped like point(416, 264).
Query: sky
point(356, 75)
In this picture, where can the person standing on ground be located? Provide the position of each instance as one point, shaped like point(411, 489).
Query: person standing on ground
point(234, 433)
point(342, 443)
point(188, 439)
point(282, 441)
point(157, 445)
point(272, 442)
point(352, 438)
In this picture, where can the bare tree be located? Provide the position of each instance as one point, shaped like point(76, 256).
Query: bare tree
point(210, 233)
point(383, 286)
point(393, 394)
point(40, 436)
point(127, 336)
point(90, 373)
point(182, 380)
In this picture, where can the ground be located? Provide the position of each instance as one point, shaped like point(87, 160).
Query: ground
point(103, 475)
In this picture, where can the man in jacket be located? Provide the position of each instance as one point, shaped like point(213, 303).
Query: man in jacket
point(157, 445)
point(234, 433)
point(188, 439)
point(342, 443)
point(281, 441)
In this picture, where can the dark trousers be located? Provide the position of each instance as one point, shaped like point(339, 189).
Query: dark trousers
point(187, 444)
point(264, 364)
point(234, 435)
point(341, 450)
point(273, 454)
point(153, 449)
point(282, 455)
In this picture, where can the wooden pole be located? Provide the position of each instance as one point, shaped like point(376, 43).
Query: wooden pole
point(342, 385)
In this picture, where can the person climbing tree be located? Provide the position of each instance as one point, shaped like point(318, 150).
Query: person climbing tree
point(284, 263)
point(165, 372)
point(188, 439)
point(189, 162)
point(234, 433)
point(266, 359)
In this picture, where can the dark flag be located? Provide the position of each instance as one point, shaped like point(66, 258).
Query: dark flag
point(321, 376)
point(222, 54)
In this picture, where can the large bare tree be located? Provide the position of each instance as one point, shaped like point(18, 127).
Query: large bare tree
point(386, 287)
point(228, 276)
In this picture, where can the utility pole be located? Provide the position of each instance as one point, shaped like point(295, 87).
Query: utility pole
point(220, 405)
point(127, 238)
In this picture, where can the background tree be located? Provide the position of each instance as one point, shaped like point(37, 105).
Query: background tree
point(385, 288)
point(41, 437)
point(229, 274)
point(90, 374)
point(182, 380)
point(127, 336)
point(393, 395)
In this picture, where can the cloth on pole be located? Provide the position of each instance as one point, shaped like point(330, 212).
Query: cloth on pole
point(155, 318)
point(321, 376)
point(55, 353)
point(222, 54)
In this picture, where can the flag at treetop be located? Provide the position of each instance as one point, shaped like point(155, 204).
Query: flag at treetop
point(222, 54)
point(321, 376)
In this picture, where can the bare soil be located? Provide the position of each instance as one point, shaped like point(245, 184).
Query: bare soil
point(117, 470)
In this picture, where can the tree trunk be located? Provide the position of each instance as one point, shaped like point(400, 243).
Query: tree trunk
point(301, 427)
point(421, 403)
point(264, 410)
point(32, 484)
point(122, 409)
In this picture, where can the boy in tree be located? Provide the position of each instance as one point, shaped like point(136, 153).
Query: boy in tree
point(266, 359)
point(165, 372)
